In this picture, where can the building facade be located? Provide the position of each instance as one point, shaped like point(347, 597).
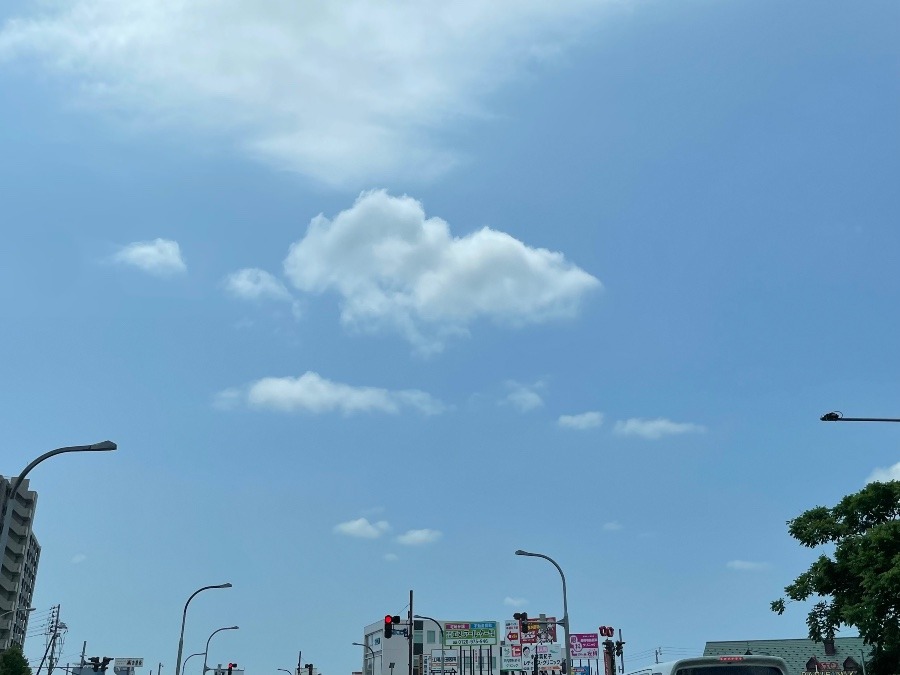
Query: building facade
point(841, 656)
point(20, 554)
point(390, 656)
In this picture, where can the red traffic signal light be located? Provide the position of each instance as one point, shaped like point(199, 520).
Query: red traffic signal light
point(389, 622)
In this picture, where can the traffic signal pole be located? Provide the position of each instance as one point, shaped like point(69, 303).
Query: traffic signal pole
point(409, 635)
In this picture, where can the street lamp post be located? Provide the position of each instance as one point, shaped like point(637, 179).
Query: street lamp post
point(13, 489)
point(206, 653)
point(184, 665)
point(360, 644)
point(565, 620)
point(183, 618)
point(441, 627)
point(838, 416)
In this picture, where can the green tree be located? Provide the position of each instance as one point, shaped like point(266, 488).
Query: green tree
point(860, 584)
point(12, 662)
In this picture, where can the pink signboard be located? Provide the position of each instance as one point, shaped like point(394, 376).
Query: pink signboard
point(584, 645)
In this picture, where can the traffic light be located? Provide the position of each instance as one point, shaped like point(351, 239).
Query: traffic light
point(619, 645)
point(98, 663)
point(309, 668)
point(522, 618)
point(609, 647)
point(389, 623)
point(231, 666)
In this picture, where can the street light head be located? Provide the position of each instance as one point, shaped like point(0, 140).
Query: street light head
point(833, 416)
point(521, 552)
point(226, 585)
point(233, 628)
point(105, 445)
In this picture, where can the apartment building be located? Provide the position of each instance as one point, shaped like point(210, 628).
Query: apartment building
point(20, 554)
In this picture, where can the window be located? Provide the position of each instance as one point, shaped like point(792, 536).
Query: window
point(430, 637)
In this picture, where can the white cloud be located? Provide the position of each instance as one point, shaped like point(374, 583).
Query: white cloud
point(362, 528)
point(747, 566)
point(655, 429)
point(337, 90)
point(418, 537)
point(514, 602)
point(79, 558)
point(227, 399)
point(524, 397)
point(160, 256)
point(255, 284)
point(587, 420)
point(312, 393)
point(884, 475)
point(397, 270)
point(612, 526)
point(391, 557)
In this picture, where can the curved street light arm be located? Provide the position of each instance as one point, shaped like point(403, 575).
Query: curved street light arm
point(565, 620)
point(206, 652)
point(441, 627)
point(184, 618)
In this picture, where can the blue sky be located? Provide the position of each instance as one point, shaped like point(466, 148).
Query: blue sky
point(371, 295)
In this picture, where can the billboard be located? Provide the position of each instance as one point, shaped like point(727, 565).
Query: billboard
point(545, 631)
point(511, 657)
point(584, 646)
point(470, 633)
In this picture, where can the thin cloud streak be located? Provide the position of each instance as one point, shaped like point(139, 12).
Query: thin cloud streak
point(582, 421)
point(419, 537)
point(361, 528)
point(656, 428)
point(311, 393)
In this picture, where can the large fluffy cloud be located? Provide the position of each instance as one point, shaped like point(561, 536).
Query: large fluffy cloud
point(396, 269)
point(312, 393)
point(340, 90)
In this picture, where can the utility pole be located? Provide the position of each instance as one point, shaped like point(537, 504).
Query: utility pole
point(409, 635)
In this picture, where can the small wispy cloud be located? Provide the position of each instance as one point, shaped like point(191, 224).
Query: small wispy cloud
point(884, 474)
point(587, 420)
point(391, 557)
point(747, 566)
point(314, 394)
point(524, 397)
point(418, 537)
point(161, 257)
point(656, 428)
point(256, 284)
point(79, 558)
point(362, 528)
point(514, 602)
point(612, 526)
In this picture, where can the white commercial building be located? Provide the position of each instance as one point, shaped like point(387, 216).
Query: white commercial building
point(19, 557)
point(390, 656)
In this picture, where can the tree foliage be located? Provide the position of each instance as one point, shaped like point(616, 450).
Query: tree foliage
point(859, 585)
point(13, 662)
